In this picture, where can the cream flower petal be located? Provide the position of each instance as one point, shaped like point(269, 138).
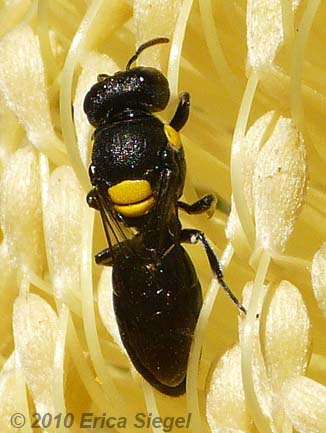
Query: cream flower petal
point(9, 392)
point(20, 209)
point(261, 385)
point(225, 404)
point(63, 227)
point(253, 141)
point(279, 185)
point(35, 329)
point(21, 63)
point(287, 335)
point(105, 305)
point(11, 133)
point(8, 293)
point(152, 22)
point(318, 275)
point(304, 402)
point(264, 30)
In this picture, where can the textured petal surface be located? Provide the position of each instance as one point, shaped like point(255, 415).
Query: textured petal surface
point(304, 402)
point(225, 404)
point(35, 328)
point(279, 185)
point(318, 275)
point(21, 63)
point(63, 225)
point(287, 335)
point(20, 200)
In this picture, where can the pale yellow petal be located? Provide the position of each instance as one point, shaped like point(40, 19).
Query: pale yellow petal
point(105, 305)
point(318, 275)
point(256, 136)
point(304, 402)
point(264, 30)
point(279, 185)
point(11, 133)
point(154, 20)
point(63, 227)
point(255, 379)
point(8, 293)
point(21, 63)
point(35, 328)
point(9, 392)
point(287, 335)
point(20, 209)
point(225, 403)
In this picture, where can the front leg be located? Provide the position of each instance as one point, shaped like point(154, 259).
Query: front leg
point(92, 200)
point(194, 236)
point(104, 257)
point(181, 115)
point(205, 204)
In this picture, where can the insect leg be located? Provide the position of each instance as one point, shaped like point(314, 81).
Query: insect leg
point(104, 257)
point(181, 115)
point(194, 236)
point(205, 204)
point(92, 200)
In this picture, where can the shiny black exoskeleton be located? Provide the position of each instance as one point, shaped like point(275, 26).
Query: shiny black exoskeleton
point(138, 173)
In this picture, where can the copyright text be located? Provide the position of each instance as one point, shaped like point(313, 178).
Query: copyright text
point(90, 420)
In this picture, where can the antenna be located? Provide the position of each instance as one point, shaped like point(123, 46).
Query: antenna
point(143, 47)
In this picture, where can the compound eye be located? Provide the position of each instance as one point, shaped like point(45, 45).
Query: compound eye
point(173, 137)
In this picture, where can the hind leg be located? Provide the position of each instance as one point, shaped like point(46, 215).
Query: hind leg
point(194, 236)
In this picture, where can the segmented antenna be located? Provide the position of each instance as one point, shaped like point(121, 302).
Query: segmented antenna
point(143, 47)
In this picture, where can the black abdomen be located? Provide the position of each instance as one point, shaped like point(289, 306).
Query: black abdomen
point(157, 307)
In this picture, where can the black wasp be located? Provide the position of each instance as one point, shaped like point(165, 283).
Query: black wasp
point(138, 171)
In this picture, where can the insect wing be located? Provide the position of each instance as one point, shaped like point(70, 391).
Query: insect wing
point(116, 232)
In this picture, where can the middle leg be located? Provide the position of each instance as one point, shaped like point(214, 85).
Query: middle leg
point(205, 204)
